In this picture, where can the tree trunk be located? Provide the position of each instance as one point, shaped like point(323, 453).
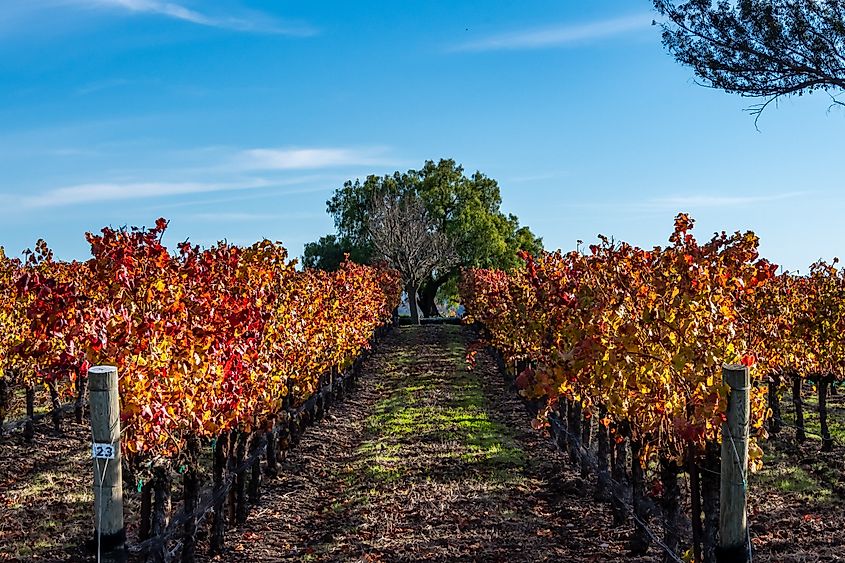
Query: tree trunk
point(671, 507)
point(575, 432)
point(640, 540)
point(272, 468)
point(161, 500)
point(332, 393)
point(56, 405)
point(283, 441)
point(255, 477)
point(146, 510)
point(618, 474)
point(338, 388)
point(827, 440)
point(774, 404)
point(161, 508)
point(430, 289)
point(294, 432)
point(611, 448)
point(320, 403)
point(711, 477)
point(5, 398)
point(602, 491)
point(29, 425)
point(428, 298)
point(411, 290)
point(312, 412)
point(81, 384)
point(240, 479)
point(218, 522)
point(562, 439)
point(586, 438)
point(695, 502)
point(191, 484)
point(231, 466)
point(800, 436)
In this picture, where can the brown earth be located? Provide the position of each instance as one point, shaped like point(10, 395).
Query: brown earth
point(424, 461)
point(428, 462)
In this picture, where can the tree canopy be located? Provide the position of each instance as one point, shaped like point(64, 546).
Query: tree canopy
point(466, 208)
point(329, 251)
point(763, 49)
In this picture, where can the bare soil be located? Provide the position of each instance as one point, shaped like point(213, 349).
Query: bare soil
point(424, 461)
point(427, 461)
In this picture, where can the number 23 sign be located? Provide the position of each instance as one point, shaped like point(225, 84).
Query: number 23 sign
point(103, 451)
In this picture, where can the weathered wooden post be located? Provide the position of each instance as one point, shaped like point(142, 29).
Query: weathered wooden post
point(734, 545)
point(110, 535)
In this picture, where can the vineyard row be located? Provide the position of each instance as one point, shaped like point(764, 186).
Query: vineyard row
point(634, 342)
point(208, 344)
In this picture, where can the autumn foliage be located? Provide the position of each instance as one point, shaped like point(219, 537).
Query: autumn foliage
point(205, 340)
point(642, 333)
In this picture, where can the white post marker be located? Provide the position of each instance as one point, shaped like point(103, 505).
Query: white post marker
point(110, 534)
point(733, 525)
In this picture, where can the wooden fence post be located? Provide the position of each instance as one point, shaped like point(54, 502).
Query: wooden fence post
point(110, 534)
point(734, 545)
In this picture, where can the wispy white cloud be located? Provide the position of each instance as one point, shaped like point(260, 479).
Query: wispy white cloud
point(309, 158)
point(216, 169)
point(119, 191)
point(169, 9)
point(101, 192)
point(325, 186)
point(557, 36)
point(248, 21)
point(698, 201)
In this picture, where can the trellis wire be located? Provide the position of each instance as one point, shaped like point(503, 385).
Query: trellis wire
point(586, 454)
point(174, 528)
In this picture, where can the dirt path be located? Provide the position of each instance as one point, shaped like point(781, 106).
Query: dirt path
point(426, 461)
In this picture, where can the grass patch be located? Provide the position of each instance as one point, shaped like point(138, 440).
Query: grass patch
point(812, 427)
point(794, 479)
point(447, 410)
point(809, 396)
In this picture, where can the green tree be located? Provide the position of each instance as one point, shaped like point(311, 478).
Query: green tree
point(762, 49)
point(329, 251)
point(466, 208)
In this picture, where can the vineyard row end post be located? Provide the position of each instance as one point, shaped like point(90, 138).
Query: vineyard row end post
point(110, 534)
point(734, 542)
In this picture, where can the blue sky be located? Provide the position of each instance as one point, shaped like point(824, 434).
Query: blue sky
point(236, 119)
